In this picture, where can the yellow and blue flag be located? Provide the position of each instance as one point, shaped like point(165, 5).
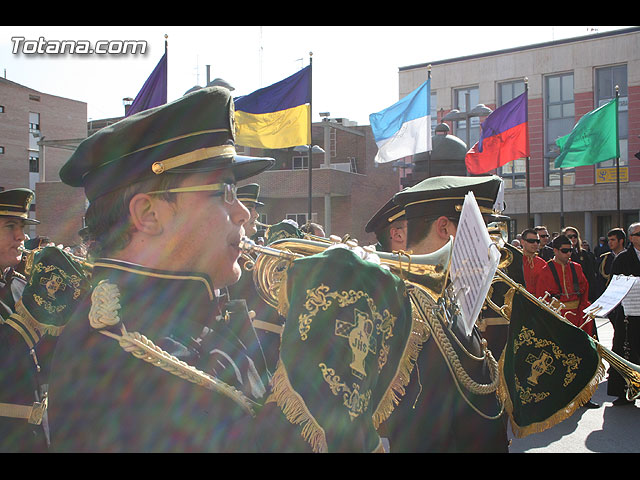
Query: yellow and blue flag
point(277, 116)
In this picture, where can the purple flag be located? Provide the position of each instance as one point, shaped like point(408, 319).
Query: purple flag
point(154, 90)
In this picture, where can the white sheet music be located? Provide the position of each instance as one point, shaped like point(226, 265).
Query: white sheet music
point(617, 291)
point(473, 262)
point(631, 301)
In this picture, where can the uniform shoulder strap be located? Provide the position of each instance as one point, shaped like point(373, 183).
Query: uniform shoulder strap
point(104, 313)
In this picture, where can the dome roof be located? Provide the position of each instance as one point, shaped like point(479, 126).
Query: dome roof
point(447, 147)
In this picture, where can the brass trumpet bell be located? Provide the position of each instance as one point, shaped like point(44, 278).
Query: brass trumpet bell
point(430, 270)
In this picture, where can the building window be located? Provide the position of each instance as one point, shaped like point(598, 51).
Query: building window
point(34, 163)
point(1, 108)
point(300, 163)
point(560, 118)
point(34, 130)
point(299, 218)
point(507, 91)
point(513, 173)
point(606, 80)
point(353, 165)
point(1, 150)
point(473, 96)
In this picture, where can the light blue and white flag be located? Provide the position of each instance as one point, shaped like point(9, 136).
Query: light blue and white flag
point(404, 128)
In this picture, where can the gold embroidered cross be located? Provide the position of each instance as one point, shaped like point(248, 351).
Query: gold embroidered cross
point(539, 365)
point(53, 284)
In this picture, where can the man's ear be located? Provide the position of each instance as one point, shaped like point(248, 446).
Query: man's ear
point(398, 234)
point(145, 215)
point(443, 227)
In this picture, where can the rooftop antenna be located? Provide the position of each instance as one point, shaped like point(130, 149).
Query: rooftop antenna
point(260, 50)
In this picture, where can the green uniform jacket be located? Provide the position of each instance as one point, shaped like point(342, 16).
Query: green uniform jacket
point(107, 400)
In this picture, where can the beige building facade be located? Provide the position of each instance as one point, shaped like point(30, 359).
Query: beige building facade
point(564, 79)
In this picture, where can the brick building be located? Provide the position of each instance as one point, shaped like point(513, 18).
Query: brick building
point(38, 133)
point(566, 79)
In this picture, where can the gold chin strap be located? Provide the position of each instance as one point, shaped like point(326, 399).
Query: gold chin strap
point(191, 157)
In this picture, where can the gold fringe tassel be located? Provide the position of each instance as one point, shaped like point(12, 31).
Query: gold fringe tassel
point(30, 320)
point(396, 389)
point(295, 409)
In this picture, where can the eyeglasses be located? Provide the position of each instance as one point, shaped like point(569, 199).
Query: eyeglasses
point(532, 240)
point(565, 250)
point(637, 234)
point(544, 236)
point(228, 190)
point(572, 236)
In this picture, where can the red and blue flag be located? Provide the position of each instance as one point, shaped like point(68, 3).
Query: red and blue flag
point(504, 137)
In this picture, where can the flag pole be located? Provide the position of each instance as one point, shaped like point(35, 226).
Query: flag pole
point(428, 133)
point(166, 51)
point(618, 164)
point(310, 130)
point(561, 198)
point(528, 177)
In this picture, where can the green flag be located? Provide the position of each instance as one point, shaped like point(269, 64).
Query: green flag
point(594, 138)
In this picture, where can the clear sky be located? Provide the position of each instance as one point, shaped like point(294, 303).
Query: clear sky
point(355, 68)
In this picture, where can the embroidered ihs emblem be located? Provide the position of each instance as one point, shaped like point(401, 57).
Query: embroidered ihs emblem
point(361, 341)
point(539, 366)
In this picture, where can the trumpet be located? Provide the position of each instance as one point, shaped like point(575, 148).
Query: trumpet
point(268, 263)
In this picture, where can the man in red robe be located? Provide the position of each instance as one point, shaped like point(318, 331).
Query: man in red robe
point(532, 264)
point(564, 280)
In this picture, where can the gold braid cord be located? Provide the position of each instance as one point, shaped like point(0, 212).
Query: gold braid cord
point(459, 374)
point(103, 314)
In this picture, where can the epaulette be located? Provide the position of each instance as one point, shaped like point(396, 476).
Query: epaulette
point(104, 315)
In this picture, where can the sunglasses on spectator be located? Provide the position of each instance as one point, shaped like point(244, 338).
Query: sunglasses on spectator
point(532, 240)
point(572, 236)
point(637, 234)
point(565, 250)
point(544, 236)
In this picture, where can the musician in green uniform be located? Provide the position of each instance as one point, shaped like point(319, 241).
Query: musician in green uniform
point(132, 371)
point(389, 226)
point(20, 382)
point(440, 412)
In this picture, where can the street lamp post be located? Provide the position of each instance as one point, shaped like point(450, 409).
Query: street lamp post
point(309, 150)
point(479, 110)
